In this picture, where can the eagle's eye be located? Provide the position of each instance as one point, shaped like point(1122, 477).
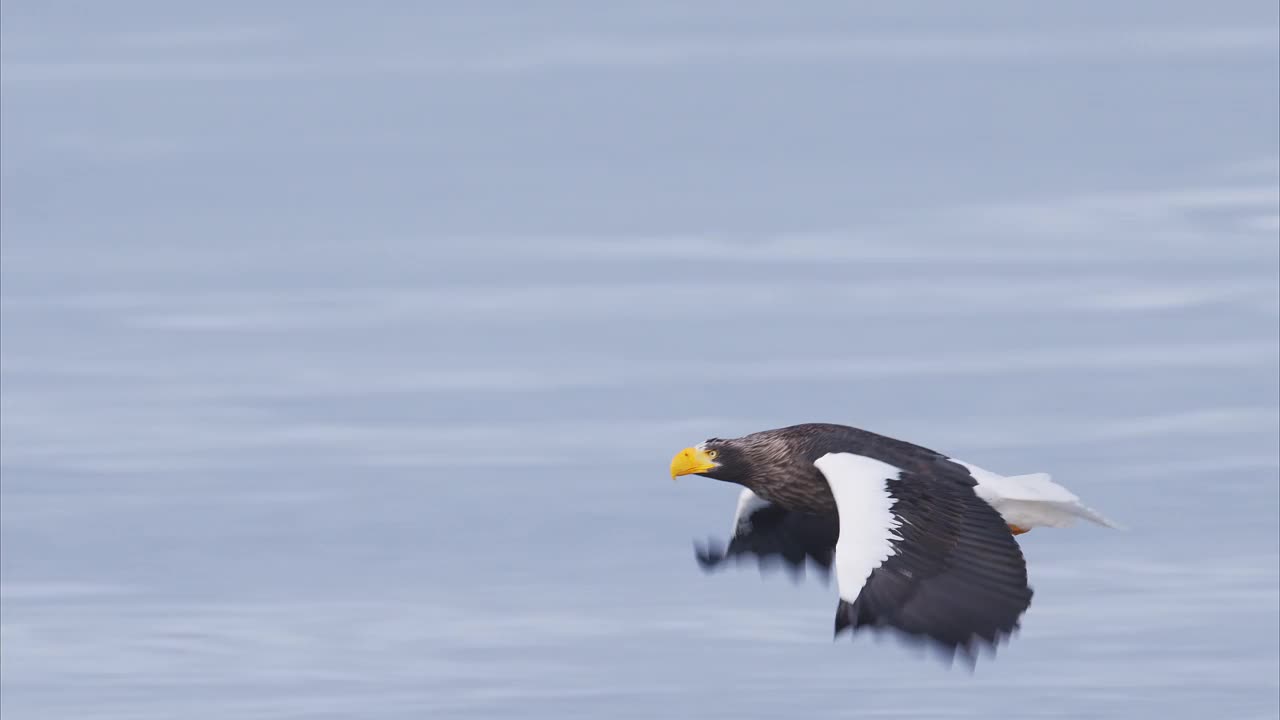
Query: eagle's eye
point(712, 454)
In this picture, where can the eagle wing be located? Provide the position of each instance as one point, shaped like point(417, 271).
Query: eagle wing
point(773, 535)
point(921, 554)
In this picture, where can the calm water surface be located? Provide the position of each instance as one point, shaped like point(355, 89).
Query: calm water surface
point(344, 353)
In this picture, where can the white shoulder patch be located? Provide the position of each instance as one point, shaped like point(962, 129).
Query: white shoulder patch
point(867, 522)
point(748, 503)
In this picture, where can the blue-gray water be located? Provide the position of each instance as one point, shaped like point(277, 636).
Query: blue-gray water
point(344, 350)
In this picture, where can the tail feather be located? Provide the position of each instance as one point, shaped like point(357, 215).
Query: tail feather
point(1051, 513)
point(1035, 500)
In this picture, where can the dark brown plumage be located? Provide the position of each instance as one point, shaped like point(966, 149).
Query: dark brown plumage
point(778, 465)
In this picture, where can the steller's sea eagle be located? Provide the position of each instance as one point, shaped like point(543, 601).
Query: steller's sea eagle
point(921, 543)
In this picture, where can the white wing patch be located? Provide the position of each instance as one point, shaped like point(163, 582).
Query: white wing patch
point(1030, 501)
point(748, 503)
point(867, 522)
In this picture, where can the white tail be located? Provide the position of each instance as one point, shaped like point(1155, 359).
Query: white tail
point(1033, 500)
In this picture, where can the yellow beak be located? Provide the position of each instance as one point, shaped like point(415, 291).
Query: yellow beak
point(691, 461)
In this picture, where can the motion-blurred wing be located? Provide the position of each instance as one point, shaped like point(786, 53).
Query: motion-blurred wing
point(774, 536)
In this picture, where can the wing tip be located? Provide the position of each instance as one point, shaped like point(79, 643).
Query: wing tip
point(714, 556)
point(966, 651)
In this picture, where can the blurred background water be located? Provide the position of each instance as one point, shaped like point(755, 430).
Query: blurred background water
point(345, 348)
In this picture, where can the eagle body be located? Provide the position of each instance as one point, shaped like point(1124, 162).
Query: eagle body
point(784, 472)
point(921, 544)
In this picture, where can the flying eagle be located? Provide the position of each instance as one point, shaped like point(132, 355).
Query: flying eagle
point(922, 544)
